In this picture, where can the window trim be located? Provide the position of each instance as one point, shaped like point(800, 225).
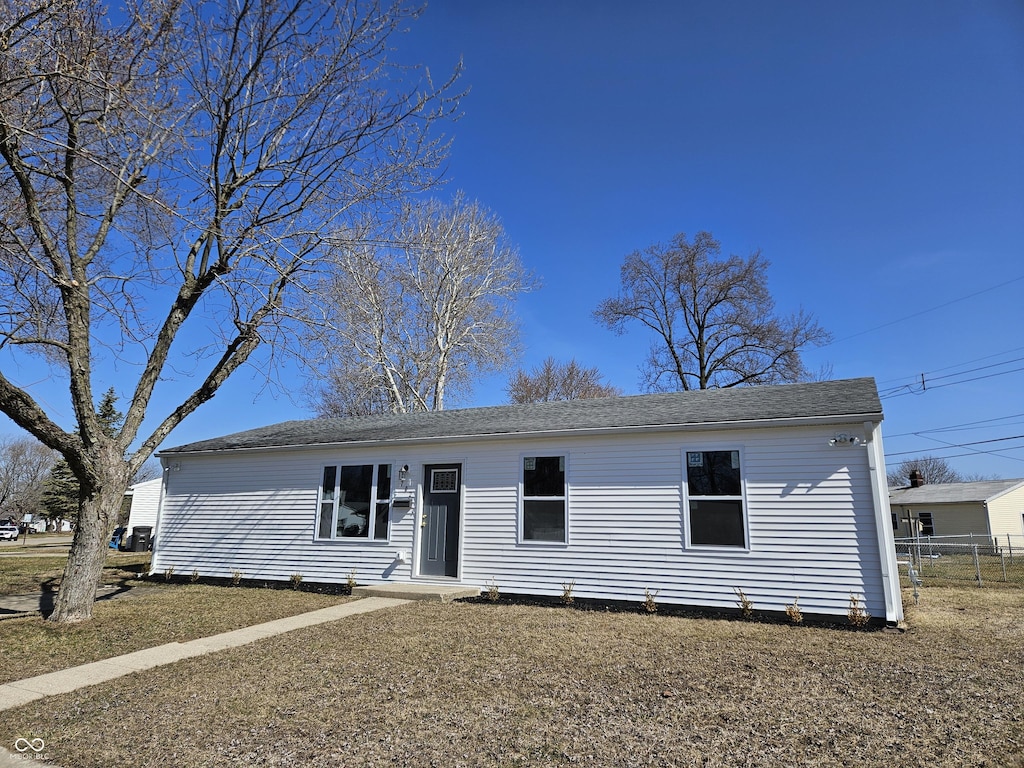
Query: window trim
point(521, 498)
point(433, 476)
point(374, 501)
point(742, 498)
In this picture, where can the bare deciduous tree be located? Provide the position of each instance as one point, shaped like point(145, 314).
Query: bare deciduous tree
point(422, 312)
point(934, 469)
point(167, 174)
point(714, 319)
point(552, 380)
point(24, 466)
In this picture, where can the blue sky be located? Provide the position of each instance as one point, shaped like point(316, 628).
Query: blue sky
point(874, 152)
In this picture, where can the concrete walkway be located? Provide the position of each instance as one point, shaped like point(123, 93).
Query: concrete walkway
point(23, 691)
point(66, 680)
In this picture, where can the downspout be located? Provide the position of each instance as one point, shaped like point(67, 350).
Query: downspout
point(883, 522)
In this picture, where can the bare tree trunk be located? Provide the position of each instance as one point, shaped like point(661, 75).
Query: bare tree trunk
point(97, 509)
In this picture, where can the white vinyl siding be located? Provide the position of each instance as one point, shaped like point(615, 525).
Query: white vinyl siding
point(811, 527)
point(145, 504)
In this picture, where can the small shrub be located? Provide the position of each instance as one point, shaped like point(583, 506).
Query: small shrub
point(296, 580)
point(857, 613)
point(492, 591)
point(745, 603)
point(195, 575)
point(567, 588)
point(649, 600)
point(236, 577)
point(350, 580)
point(168, 573)
point(796, 616)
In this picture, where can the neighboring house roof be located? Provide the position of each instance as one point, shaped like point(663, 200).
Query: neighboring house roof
point(953, 493)
point(144, 484)
point(824, 402)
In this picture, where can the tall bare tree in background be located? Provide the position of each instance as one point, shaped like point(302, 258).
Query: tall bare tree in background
point(934, 469)
point(552, 380)
point(24, 467)
point(415, 317)
point(167, 174)
point(713, 318)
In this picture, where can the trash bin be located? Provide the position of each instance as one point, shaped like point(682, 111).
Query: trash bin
point(142, 538)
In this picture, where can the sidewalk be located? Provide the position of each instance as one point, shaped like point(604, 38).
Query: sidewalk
point(24, 691)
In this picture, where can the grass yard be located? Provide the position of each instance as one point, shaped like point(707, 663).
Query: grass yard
point(507, 685)
point(31, 572)
point(149, 616)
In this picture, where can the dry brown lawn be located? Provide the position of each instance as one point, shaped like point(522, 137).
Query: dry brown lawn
point(147, 616)
point(508, 685)
point(34, 569)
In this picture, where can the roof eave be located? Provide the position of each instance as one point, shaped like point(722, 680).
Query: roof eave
point(552, 433)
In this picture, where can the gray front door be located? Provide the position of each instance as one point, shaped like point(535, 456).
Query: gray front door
point(439, 520)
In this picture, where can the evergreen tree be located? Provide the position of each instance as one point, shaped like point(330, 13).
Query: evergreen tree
point(110, 418)
point(60, 492)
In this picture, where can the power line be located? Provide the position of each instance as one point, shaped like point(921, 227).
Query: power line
point(908, 389)
point(997, 454)
point(925, 311)
point(956, 427)
point(972, 370)
point(966, 445)
point(956, 365)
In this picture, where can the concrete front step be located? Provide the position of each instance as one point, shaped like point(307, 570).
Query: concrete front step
point(406, 591)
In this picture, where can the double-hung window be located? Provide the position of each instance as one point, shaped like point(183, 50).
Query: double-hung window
point(715, 496)
point(355, 502)
point(544, 499)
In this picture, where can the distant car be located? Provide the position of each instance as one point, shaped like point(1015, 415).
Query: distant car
point(8, 531)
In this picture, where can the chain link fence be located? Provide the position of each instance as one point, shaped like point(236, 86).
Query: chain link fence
point(975, 559)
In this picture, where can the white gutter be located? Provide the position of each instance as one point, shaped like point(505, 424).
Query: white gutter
point(883, 523)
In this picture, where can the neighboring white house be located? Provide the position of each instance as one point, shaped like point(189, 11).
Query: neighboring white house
point(990, 508)
point(778, 491)
point(145, 504)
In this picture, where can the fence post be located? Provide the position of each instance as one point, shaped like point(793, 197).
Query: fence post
point(977, 564)
point(1009, 546)
point(1002, 560)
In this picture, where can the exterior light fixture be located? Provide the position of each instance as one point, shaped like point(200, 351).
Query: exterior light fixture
point(844, 438)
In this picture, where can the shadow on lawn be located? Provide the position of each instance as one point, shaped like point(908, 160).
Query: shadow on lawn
point(125, 578)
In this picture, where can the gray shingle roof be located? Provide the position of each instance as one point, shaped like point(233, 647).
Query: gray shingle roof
point(952, 493)
point(850, 399)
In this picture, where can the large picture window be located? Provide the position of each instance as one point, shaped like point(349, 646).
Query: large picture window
point(355, 502)
point(544, 507)
point(715, 494)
